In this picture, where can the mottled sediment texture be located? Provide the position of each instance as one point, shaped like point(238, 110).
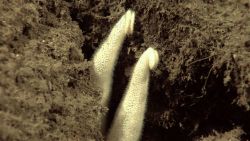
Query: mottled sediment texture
point(46, 88)
point(200, 88)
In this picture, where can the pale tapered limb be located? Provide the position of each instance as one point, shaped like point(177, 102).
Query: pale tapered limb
point(128, 120)
point(106, 57)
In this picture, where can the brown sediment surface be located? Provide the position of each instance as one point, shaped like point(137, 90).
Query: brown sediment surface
point(199, 91)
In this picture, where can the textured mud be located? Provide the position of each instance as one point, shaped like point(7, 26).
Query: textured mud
point(200, 90)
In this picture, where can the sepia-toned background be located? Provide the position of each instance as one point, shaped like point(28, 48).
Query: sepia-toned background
point(199, 91)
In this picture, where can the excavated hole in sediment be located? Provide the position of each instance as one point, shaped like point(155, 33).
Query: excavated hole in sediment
point(198, 116)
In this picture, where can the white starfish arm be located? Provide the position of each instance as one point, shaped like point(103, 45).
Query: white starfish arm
point(128, 121)
point(106, 56)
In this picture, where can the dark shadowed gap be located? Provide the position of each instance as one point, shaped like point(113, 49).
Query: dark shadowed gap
point(198, 116)
point(85, 23)
point(88, 24)
point(154, 133)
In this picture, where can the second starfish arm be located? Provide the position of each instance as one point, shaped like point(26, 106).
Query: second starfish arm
point(128, 120)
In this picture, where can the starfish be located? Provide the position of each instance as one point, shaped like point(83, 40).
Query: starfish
point(128, 120)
